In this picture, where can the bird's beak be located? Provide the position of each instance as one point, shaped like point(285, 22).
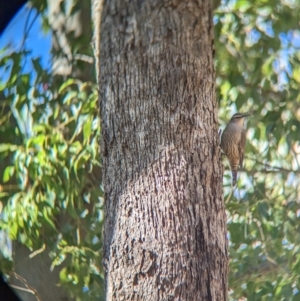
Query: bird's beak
point(246, 114)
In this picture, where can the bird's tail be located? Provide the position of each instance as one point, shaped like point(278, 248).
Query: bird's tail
point(234, 176)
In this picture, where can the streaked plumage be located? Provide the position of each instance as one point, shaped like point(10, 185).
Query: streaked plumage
point(233, 143)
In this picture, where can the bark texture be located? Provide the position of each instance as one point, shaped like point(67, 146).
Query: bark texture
point(165, 229)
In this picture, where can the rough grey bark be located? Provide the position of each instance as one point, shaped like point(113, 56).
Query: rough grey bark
point(165, 229)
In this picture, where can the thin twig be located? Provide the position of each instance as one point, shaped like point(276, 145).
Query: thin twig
point(85, 58)
point(29, 288)
point(270, 168)
point(42, 249)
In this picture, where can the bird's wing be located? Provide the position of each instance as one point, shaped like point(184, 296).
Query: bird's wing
point(241, 147)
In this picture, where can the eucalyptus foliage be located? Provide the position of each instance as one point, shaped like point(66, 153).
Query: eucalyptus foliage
point(257, 61)
point(50, 187)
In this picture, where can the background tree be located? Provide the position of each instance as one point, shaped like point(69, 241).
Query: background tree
point(257, 64)
point(49, 180)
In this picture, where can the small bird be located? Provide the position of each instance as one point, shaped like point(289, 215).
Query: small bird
point(233, 143)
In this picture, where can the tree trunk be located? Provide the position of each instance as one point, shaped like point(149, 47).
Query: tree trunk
point(165, 229)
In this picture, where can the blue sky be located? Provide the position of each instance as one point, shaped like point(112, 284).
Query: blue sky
point(25, 33)
point(37, 41)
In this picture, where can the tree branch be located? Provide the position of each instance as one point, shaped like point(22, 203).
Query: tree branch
point(29, 289)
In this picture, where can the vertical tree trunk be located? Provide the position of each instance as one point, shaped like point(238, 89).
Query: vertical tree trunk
point(165, 229)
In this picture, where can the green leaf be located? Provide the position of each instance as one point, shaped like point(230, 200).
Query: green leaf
point(87, 129)
point(69, 82)
point(263, 208)
point(47, 218)
point(8, 147)
point(242, 5)
point(69, 97)
point(8, 173)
